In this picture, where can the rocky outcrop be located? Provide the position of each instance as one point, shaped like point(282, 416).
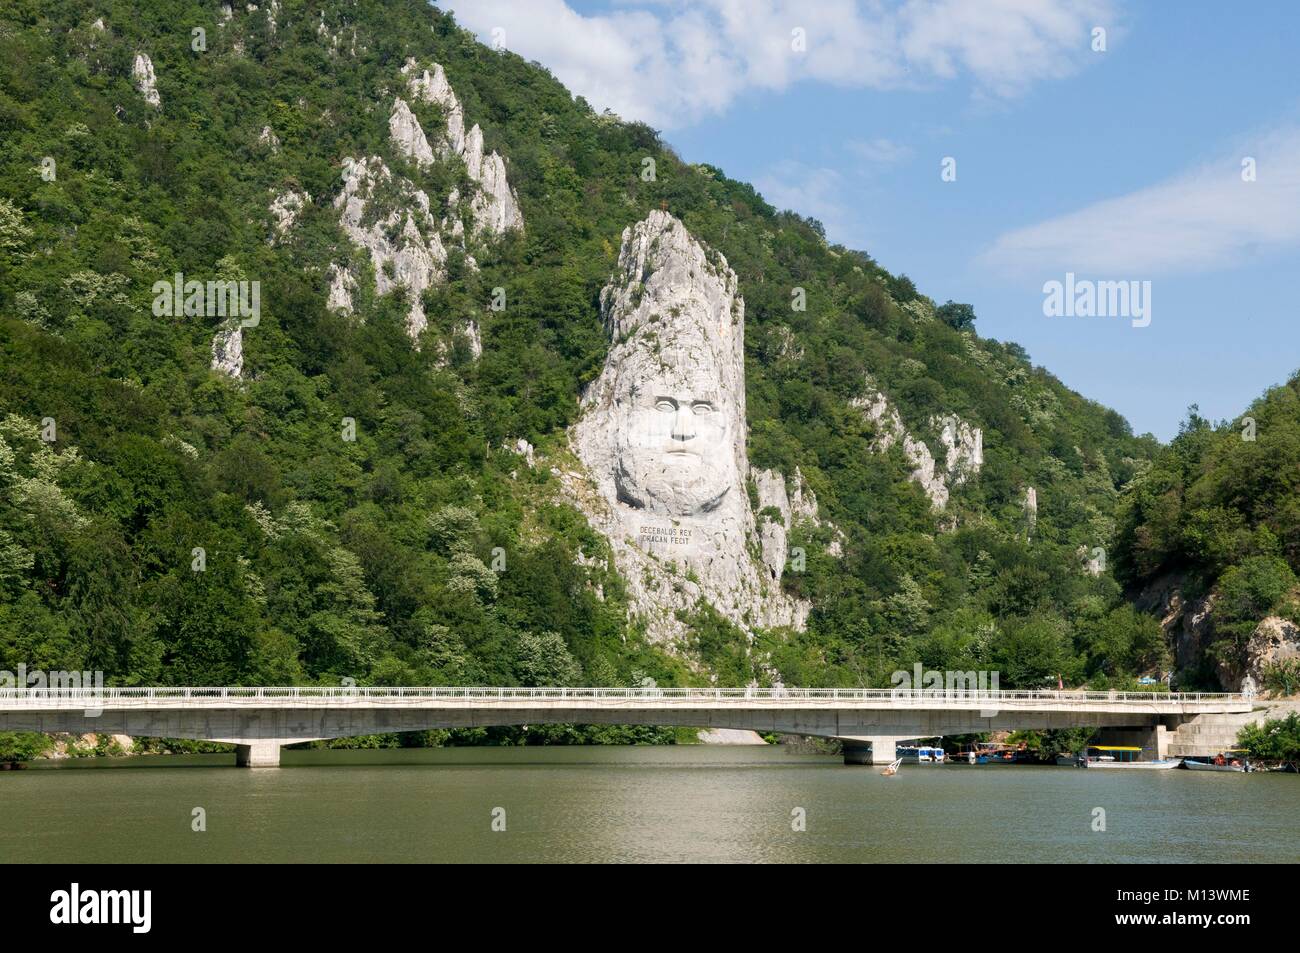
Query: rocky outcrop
point(792, 508)
point(407, 135)
point(473, 338)
point(285, 209)
point(523, 448)
point(342, 284)
point(269, 139)
point(402, 240)
point(1187, 624)
point(228, 349)
point(1093, 565)
point(662, 439)
point(1190, 631)
point(964, 445)
point(1031, 508)
point(876, 407)
point(773, 529)
point(1274, 640)
point(146, 83)
point(432, 87)
point(494, 207)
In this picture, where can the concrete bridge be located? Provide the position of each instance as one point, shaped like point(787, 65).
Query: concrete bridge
point(869, 722)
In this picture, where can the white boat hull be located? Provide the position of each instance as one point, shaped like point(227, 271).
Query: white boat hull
point(1204, 766)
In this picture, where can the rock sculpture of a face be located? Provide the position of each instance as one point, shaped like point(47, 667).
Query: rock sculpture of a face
point(665, 429)
point(663, 432)
point(673, 428)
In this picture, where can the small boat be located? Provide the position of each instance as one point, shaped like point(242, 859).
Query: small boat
point(1122, 756)
point(1233, 761)
point(990, 752)
point(892, 770)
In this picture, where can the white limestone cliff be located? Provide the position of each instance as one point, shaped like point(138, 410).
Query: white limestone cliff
point(798, 505)
point(523, 448)
point(432, 87)
point(773, 534)
point(1275, 640)
point(406, 133)
point(662, 440)
point(285, 209)
point(494, 207)
point(228, 349)
point(473, 337)
point(342, 284)
point(403, 241)
point(876, 407)
point(268, 138)
point(145, 80)
point(963, 445)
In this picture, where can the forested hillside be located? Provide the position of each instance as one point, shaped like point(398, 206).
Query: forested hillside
point(1216, 522)
point(424, 551)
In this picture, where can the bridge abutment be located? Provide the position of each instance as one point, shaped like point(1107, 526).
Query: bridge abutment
point(258, 754)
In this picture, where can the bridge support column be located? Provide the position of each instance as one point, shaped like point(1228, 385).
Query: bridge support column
point(258, 754)
point(873, 750)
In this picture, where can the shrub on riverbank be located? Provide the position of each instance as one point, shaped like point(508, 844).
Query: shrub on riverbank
point(22, 745)
point(1278, 739)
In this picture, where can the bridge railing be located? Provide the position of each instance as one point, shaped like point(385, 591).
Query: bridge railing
point(290, 696)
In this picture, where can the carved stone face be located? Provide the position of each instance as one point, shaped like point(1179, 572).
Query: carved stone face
point(673, 434)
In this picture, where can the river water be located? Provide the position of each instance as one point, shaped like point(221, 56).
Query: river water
point(633, 804)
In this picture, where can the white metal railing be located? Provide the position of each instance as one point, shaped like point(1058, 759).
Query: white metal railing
point(314, 696)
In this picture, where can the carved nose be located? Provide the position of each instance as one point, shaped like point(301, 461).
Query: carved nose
point(683, 424)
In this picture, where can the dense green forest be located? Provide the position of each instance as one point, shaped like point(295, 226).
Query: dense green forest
point(327, 558)
point(1220, 510)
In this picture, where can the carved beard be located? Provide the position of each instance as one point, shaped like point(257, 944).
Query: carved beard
point(646, 480)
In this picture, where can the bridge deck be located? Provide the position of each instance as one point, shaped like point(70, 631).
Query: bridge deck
point(290, 698)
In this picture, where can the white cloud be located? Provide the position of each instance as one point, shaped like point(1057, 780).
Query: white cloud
point(671, 63)
point(879, 151)
point(1206, 217)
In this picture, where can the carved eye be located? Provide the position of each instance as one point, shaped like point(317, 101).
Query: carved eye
point(666, 405)
point(702, 407)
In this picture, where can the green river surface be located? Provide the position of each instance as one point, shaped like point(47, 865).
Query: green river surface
point(633, 804)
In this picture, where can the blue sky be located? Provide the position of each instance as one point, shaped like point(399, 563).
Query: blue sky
point(1122, 165)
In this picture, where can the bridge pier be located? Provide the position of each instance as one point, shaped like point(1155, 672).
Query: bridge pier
point(258, 754)
point(874, 750)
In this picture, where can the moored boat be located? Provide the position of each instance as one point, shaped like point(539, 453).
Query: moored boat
point(920, 754)
point(1232, 761)
point(1122, 756)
